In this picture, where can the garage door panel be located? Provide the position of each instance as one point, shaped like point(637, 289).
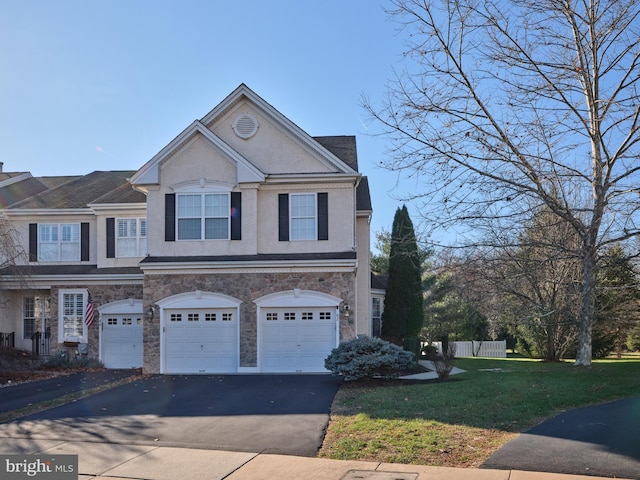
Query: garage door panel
point(215, 363)
point(202, 342)
point(295, 339)
point(310, 348)
point(315, 332)
point(289, 332)
point(281, 363)
point(313, 363)
point(122, 341)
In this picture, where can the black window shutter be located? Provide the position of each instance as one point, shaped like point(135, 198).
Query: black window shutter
point(111, 237)
point(84, 242)
point(33, 242)
point(323, 216)
point(236, 215)
point(170, 217)
point(283, 217)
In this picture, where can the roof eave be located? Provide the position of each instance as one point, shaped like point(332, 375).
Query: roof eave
point(34, 212)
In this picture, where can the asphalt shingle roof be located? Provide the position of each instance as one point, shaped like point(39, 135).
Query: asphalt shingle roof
point(78, 192)
point(343, 147)
point(36, 270)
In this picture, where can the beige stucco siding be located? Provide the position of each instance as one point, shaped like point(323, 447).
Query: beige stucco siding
point(21, 225)
point(100, 238)
point(363, 277)
point(11, 317)
point(200, 166)
point(271, 149)
point(341, 220)
point(198, 159)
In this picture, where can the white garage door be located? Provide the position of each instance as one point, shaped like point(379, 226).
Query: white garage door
point(201, 341)
point(297, 339)
point(122, 341)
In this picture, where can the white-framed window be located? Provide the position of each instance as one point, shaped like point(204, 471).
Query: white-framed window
point(303, 216)
point(71, 314)
point(131, 237)
point(376, 316)
point(203, 216)
point(58, 242)
point(35, 315)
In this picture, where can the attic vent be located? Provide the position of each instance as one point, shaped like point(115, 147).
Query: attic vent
point(245, 125)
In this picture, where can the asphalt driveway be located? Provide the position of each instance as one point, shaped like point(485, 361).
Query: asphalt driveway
point(600, 440)
point(283, 414)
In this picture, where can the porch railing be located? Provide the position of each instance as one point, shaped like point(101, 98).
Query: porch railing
point(8, 339)
point(41, 342)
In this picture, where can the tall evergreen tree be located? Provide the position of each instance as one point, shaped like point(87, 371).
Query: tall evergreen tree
point(403, 314)
point(617, 302)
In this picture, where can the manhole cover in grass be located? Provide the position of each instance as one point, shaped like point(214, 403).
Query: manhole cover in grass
point(368, 475)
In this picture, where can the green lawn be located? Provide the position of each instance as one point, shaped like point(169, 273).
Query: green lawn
point(460, 422)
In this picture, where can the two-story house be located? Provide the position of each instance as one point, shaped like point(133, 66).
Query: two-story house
point(242, 246)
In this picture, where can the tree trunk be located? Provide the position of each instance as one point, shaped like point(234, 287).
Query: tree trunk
point(585, 321)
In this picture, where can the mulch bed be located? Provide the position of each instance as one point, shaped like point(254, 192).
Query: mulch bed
point(19, 366)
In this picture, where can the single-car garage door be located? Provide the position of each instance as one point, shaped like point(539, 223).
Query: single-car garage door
point(201, 340)
point(296, 339)
point(122, 341)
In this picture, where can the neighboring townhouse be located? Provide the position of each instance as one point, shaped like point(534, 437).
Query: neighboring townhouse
point(242, 246)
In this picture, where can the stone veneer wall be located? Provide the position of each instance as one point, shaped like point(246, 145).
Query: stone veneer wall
point(246, 287)
point(101, 295)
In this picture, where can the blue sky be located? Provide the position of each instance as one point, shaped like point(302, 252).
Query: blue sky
point(105, 84)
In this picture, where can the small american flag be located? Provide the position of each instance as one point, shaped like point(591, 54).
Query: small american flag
point(89, 313)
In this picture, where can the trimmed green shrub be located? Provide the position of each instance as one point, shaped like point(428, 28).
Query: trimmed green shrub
point(368, 357)
point(412, 344)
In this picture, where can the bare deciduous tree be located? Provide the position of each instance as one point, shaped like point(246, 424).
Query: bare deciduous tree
point(11, 250)
point(507, 106)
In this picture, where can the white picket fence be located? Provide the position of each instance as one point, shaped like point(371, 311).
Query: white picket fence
point(478, 349)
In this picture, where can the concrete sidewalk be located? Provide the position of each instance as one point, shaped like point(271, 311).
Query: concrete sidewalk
point(105, 461)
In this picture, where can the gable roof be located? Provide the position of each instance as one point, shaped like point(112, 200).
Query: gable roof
point(149, 173)
point(337, 153)
point(78, 192)
point(243, 92)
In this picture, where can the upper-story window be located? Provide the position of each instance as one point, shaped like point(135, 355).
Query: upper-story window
point(131, 237)
point(203, 216)
point(59, 242)
point(303, 216)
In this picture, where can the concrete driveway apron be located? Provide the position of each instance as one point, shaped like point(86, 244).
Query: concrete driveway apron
point(283, 414)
